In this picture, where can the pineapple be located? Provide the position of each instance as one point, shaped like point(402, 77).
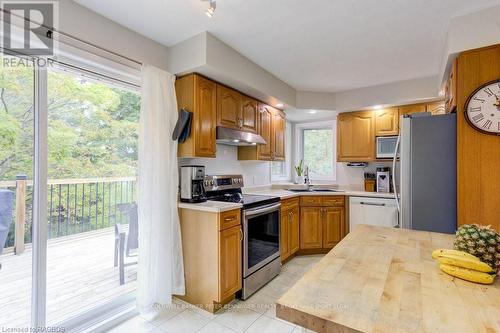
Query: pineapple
point(480, 241)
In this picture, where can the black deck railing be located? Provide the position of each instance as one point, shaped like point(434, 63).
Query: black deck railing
point(73, 206)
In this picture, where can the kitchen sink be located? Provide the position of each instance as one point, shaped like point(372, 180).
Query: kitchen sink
point(315, 190)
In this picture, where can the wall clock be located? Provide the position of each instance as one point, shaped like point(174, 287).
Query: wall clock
point(482, 109)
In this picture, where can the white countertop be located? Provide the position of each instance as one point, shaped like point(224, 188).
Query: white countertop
point(279, 191)
point(210, 206)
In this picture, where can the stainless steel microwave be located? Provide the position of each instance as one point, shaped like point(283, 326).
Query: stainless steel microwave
point(386, 145)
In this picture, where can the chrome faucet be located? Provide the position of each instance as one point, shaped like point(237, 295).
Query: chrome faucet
point(307, 179)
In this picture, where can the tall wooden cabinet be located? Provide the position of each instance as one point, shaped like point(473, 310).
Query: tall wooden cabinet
point(356, 136)
point(198, 95)
point(278, 139)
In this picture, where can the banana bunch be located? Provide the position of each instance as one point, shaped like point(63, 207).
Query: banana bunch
point(464, 266)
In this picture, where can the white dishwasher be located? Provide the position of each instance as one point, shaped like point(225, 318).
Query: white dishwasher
point(373, 211)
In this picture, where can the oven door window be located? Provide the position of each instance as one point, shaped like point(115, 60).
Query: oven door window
point(263, 237)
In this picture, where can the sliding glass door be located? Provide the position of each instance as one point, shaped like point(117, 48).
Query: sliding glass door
point(91, 193)
point(17, 102)
point(68, 210)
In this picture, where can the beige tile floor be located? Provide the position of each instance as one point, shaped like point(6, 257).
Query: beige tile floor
point(257, 314)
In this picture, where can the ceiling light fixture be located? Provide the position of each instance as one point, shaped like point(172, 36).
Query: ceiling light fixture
point(211, 9)
point(313, 111)
point(377, 107)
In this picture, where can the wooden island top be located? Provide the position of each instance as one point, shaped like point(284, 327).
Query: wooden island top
point(381, 279)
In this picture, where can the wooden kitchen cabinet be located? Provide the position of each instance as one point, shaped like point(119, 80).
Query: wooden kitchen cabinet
point(413, 108)
point(278, 141)
point(271, 127)
point(356, 136)
point(311, 235)
point(450, 95)
point(333, 226)
point(230, 262)
point(249, 115)
point(387, 122)
point(436, 108)
point(322, 222)
point(198, 95)
point(229, 103)
point(289, 228)
point(212, 255)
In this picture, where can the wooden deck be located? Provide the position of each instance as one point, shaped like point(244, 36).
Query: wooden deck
point(80, 276)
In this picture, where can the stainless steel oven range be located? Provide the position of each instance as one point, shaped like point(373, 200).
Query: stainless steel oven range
point(261, 233)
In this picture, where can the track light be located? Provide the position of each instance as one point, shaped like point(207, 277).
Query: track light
point(211, 9)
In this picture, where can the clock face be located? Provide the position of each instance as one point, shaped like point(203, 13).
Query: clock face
point(482, 109)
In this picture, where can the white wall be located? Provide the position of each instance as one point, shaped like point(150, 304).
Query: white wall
point(355, 176)
point(84, 24)
point(254, 172)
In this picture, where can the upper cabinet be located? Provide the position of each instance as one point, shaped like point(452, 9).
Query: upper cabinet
point(249, 111)
point(356, 136)
point(387, 122)
point(198, 95)
point(235, 110)
point(413, 108)
point(213, 105)
point(450, 96)
point(278, 141)
point(228, 107)
point(271, 126)
point(436, 108)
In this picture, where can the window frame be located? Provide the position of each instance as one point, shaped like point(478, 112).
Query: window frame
point(288, 158)
point(299, 145)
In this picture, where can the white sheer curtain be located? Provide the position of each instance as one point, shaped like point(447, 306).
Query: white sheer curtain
point(160, 267)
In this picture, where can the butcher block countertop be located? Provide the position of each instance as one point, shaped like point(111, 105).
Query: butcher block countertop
point(384, 280)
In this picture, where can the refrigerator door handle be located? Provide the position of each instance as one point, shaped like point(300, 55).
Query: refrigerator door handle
point(394, 172)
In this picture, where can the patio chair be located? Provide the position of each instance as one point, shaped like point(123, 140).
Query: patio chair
point(125, 241)
point(6, 203)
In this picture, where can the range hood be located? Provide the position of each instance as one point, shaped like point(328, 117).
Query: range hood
point(228, 136)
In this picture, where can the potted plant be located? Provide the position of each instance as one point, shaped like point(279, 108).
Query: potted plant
point(299, 170)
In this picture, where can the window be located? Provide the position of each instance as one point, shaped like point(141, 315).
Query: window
point(316, 146)
point(280, 170)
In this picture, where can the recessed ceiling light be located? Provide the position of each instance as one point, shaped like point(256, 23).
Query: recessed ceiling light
point(211, 9)
point(377, 107)
point(313, 111)
point(279, 105)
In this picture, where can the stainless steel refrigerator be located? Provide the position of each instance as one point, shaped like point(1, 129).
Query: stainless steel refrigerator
point(427, 196)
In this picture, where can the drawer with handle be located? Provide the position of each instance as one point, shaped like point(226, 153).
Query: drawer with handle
point(229, 219)
point(330, 200)
point(289, 203)
point(310, 200)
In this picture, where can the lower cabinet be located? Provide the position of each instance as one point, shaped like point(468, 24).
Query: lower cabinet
point(289, 228)
point(333, 226)
point(311, 228)
point(229, 262)
point(322, 222)
point(212, 255)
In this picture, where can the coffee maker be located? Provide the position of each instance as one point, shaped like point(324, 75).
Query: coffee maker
point(192, 188)
point(384, 180)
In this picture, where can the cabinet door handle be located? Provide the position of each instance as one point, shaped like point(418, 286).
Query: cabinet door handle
point(241, 235)
point(227, 219)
